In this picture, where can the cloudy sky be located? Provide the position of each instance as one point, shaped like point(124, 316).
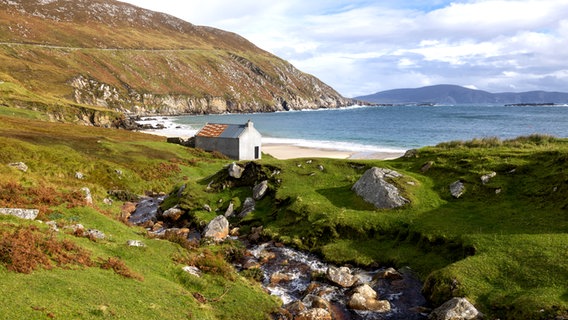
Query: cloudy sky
point(363, 46)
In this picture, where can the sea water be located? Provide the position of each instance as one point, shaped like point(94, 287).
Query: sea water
point(389, 128)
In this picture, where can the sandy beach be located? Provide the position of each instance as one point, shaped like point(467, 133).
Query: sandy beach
point(285, 151)
point(289, 151)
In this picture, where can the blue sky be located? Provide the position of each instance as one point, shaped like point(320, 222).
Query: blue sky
point(361, 47)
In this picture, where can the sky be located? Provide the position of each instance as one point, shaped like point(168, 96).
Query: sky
point(360, 47)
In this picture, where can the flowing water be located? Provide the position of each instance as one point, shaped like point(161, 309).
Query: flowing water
point(296, 276)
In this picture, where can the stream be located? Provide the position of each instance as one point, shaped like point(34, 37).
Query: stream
point(297, 276)
point(302, 280)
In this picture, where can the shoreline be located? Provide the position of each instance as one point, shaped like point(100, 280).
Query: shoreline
point(285, 151)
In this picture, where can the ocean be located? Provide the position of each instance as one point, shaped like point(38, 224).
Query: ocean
point(387, 128)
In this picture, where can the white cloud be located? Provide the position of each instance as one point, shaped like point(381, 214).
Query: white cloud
point(361, 46)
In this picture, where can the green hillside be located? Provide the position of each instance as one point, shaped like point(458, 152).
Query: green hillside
point(502, 244)
point(116, 56)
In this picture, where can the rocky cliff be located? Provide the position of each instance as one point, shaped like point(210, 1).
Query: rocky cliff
point(110, 54)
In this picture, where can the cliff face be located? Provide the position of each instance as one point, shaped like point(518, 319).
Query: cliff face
point(114, 55)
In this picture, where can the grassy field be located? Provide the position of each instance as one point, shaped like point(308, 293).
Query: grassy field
point(503, 244)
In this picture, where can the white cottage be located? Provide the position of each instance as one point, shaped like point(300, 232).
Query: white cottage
point(236, 141)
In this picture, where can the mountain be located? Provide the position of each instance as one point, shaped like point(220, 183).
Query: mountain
point(452, 94)
point(107, 55)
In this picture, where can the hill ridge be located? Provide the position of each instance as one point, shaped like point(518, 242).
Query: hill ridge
point(454, 94)
point(137, 61)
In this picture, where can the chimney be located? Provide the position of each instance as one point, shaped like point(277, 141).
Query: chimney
point(249, 124)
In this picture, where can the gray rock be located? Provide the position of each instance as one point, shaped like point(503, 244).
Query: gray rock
point(194, 271)
point(248, 207)
point(341, 276)
point(88, 196)
point(373, 188)
point(172, 213)
point(118, 172)
point(217, 229)
point(486, 177)
point(135, 243)
point(456, 309)
point(320, 167)
point(95, 234)
point(236, 171)
point(29, 214)
point(230, 210)
point(19, 165)
point(260, 190)
point(107, 201)
point(457, 189)
point(79, 175)
point(52, 225)
point(411, 153)
point(206, 207)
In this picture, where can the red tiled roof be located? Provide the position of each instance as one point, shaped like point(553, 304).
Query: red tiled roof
point(212, 130)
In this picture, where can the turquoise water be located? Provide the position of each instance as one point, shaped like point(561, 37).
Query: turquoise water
point(393, 128)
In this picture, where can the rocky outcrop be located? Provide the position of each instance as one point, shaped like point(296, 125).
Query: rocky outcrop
point(374, 188)
point(259, 190)
point(29, 214)
point(456, 309)
point(217, 229)
point(169, 67)
point(235, 170)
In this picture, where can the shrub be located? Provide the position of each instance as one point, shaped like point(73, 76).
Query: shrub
point(120, 268)
point(27, 249)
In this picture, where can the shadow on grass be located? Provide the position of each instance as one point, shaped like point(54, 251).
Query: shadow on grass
point(343, 197)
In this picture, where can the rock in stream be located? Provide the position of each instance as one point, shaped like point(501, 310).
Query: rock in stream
point(301, 281)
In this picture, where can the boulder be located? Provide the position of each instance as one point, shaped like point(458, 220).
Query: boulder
point(389, 274)
point(341, 276)
point(194, 271)
point(374, 188)
point(217, 229)
point(359, 302)
point(456, 309)
point(236, 171)
point(230, 210)
point(173, 213)
point(486, 177)
point(314, 314)
point(88, 196)
point(29, 214)
point(411, 153)
point(457, 189)
point(52, 226)
point(95, 234)
point(135, 243)
point(248, 207)
point(19, 165)
point(260, 190)
point(278, 277)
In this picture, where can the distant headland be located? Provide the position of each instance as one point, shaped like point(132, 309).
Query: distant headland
point(453, 94)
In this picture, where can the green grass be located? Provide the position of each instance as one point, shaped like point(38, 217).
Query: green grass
point(505, 251)
point(53, 153)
